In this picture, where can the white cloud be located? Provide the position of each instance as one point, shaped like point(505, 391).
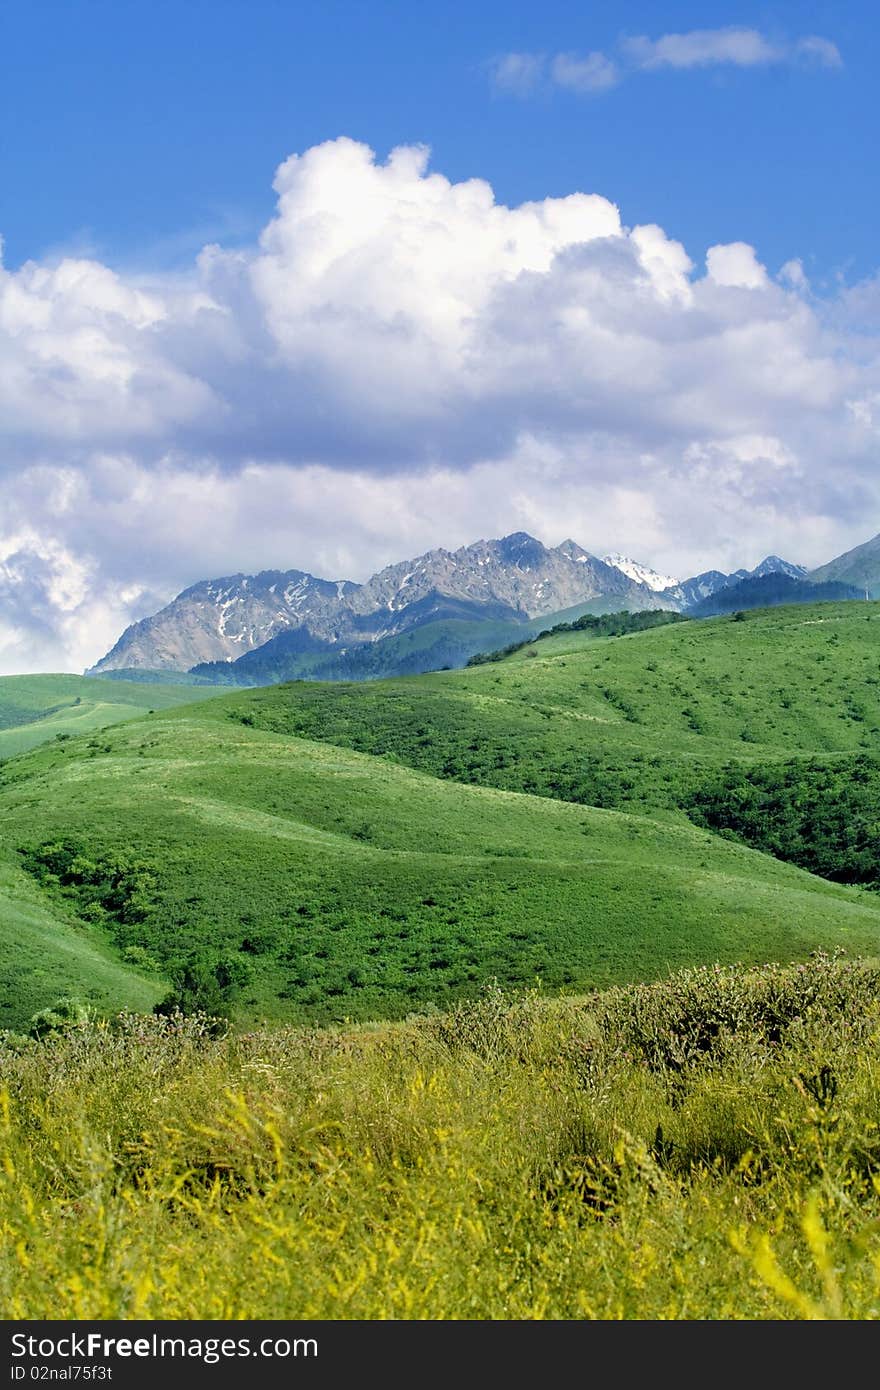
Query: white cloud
point(517, 73)
point(793, 274)
point(700, 48)
point(821, 52)
point(592, 73)
point(736, 265)
point(402, 362)
point(521, 74)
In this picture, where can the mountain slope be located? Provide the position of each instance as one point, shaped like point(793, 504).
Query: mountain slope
point(516, 578)
point(316, 628)
point(219, 619)
point(439, 643)
point(690, 593)
point(774, 565)
point(859, 567)
point(642, 574)
point(770, 589)
point(630, 721)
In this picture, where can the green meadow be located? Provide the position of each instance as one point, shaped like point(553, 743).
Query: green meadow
point(545, 988)
point(36, 708)
point(312, 880)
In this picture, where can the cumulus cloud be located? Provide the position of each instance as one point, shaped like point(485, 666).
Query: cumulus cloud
point(521, 74)
point(401, 362)
point(736, 265)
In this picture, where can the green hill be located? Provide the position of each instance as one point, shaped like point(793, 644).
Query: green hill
point(46, 954)
point(631, 721)
point(763, 727)
point(244, 846)
point(396, 850)
point(36, 708)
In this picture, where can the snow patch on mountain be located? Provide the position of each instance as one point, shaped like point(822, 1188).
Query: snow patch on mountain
point(641, 574)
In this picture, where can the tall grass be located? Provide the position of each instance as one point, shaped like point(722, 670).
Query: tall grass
point(705, 1147)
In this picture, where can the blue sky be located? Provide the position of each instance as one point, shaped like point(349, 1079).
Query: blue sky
point(325, 285)
point(142, 129)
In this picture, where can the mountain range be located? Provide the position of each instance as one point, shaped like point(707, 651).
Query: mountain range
point(434, 611)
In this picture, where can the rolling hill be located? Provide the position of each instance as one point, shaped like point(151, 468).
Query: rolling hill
point(363, 851)
point(632, 721)
point(36, 708)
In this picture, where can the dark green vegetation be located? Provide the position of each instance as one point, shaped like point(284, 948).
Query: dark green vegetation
point(605, 625)
point(821, 814)
point(36, 708)
point(770, 591)
point(330, 851)
point(701, 1148)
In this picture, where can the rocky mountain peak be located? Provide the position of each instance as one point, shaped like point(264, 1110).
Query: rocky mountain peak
point(516, 577)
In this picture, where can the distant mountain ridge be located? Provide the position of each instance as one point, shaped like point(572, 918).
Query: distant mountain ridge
point(435, 610)
point(770, 590)
point(516, 578)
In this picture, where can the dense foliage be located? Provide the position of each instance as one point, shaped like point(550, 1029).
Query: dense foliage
point(823, 816)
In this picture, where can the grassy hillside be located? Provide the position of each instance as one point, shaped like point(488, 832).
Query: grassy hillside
point(705, 1148)
point(330, 851)
point(45, 954)
point(36, 708)
point(636, 721)
point(333, 884)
